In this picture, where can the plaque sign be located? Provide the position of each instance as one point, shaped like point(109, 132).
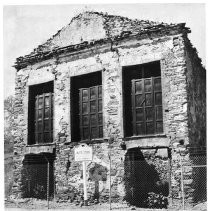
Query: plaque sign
point(83, 153)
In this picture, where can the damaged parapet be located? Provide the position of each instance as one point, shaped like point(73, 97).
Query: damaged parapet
point(109, 28)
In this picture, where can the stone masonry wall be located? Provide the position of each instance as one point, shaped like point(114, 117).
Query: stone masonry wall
point(20, 129)
point(196, 87)
point(177, 121)
point(195, 136)
point(69, 183)
point(168, 50)
point(195, 178)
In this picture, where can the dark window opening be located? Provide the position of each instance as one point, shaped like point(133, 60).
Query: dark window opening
point(86, 107)
point(142, 94)
point(37, 176)
point(40, 114)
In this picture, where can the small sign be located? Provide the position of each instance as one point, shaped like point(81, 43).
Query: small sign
point(83, 153)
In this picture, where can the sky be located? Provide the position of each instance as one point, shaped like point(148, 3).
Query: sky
point(27, 26)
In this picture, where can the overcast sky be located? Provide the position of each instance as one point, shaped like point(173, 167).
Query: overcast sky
point(26, 27)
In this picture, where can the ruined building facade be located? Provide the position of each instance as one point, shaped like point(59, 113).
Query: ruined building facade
point(133, 90)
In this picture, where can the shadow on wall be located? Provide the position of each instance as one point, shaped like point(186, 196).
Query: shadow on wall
point(142, 182)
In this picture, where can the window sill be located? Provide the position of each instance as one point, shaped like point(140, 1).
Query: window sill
point(145, 136)
point(92, 141)
point(148, 141)
point(41, 144)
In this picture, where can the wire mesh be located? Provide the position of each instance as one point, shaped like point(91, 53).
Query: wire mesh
point(144, 185)
point(37, 179)
point(195, 180)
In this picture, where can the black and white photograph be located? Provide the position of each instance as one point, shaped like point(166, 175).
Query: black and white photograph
point(105, 106)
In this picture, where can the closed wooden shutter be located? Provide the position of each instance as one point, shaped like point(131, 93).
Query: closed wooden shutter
point(147, 106)
point(44, 118)
point(91, 116)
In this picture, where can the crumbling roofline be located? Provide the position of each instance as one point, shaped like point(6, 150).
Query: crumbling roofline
point(24, 61)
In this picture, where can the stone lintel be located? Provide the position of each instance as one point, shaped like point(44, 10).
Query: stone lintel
point(147, 142)
point(36, 149)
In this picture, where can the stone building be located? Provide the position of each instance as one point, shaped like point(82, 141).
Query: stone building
point(134, 90)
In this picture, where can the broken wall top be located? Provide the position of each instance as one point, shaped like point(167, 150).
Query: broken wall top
point(89, 27)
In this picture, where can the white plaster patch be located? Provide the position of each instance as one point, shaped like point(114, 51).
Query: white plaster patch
point(121, 189)
point(101, 162)
point(163, 153)
point(40, 76)
point(88, 27)
point(169, 44)
point(185, 107)
point(102, 185)
point(135, 56)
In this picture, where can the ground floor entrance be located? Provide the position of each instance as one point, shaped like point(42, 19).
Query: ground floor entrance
point(146, 179)
point(38, 176)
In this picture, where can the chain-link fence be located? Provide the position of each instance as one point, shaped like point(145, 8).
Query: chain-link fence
point(144, 181)
point(194, 181)
point(145, 186)
point(139, 181)
point(147, 181)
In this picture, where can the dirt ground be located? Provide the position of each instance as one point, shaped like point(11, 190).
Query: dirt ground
point(25, 204)
point(28, 204)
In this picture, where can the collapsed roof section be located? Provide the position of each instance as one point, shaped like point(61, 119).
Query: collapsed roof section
point(90, 28)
